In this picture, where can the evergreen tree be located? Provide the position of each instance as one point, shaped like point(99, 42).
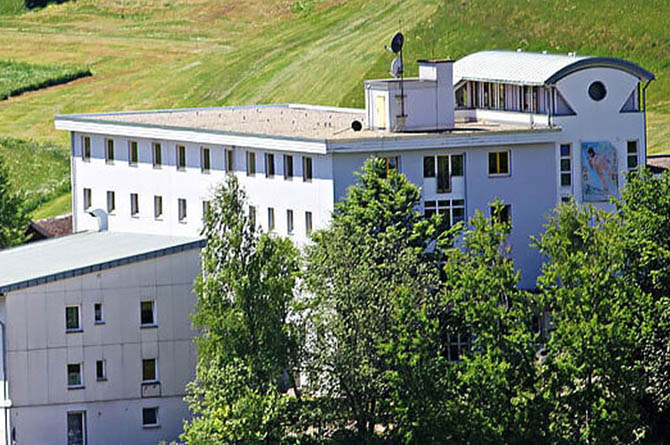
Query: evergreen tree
point(13, 216)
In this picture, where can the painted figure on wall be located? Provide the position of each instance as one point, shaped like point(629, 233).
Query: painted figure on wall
point(599, 171)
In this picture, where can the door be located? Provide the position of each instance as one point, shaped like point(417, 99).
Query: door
point(380, 111)
point(76, 428)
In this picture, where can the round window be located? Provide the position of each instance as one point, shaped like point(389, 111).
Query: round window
point(597, 91)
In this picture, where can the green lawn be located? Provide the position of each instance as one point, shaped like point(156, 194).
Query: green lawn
point(149, 54)
point(18, 77)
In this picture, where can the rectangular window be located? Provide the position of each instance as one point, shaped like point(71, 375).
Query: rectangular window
point(456, 165)
point(501, 96)
point(458, 344)
point(452, 211)
point(86, 148)
point(443, 179)
point(499, 163)
point(181, 203)
point(158, 207)
point(87, 199)
point(306, 168)
point(150, 417)
point(230, 167)
point(181, 157)
point(97, 313)
point(206, 205)
point(503, 215)
point(252, 215)
point(391, 163)
point(429, 166)
point(72, 319)
point(271, 219)
point(251, 163)
point(76, 428)
point(147, 313)
point(565, 165)
point(111, 202)
point(204, 159)
point(74, 377)
point(631, 155)
point(308, 223)
point(134, 205)
point(288, 167)
point(149, 370)
point(100, 370)
point(132, 152)
point(289, 221)
point(109, 150)
point(269, 165)
point(157, 154)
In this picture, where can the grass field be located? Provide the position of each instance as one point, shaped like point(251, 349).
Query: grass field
point(149, 54)
point(19, 77)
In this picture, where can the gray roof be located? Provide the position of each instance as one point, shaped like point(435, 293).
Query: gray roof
point(85, 252)
point(528, 68)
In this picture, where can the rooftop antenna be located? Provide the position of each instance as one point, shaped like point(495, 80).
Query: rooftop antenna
point(397, 67)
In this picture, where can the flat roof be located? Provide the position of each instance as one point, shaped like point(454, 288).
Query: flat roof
point(81, 253)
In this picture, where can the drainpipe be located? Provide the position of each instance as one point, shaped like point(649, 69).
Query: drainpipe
point(4, 378)
point(644, 106)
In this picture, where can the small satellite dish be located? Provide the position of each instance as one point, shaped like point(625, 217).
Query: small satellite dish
point(356, 125)
point(396, 67)
point(396, 42)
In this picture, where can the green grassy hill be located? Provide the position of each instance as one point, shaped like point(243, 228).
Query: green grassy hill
point(148, 54)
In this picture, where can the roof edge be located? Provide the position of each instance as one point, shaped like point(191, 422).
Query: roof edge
point(604, 62)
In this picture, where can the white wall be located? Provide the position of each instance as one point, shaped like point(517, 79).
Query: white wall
point(39, 349)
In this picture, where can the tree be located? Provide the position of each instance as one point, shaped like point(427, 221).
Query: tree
point(248, 339)
point(377, 243)
point(13, 216)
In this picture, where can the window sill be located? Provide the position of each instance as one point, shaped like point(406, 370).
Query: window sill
point(158, 218)
point(73, 331)
point(148, 326)
point(151, 426)
point(109, 162)
point(183, 221)
point(136, 216)
point(150, 382)
point(157, 166)
point(104, 379)
point(99, 322)
point(499, 175)
point(132, 164)
point(181, 169)
point(205, 172)
point(76, 387)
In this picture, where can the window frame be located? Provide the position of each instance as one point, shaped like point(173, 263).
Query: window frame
point(565, 172)
point(134, 205)
point(271, 219)
point(309, 223)
point(205, 160)
point(158, 207)
point(154, 315)
point(111, 202)
point(97, 320)
point(508, 153)
point(251, 163)
point(86, 148)
point(156, 414)
point(156, 377)
point(157, 154)
point(230, 161)
point(98, 376)
point(269, 165)
point(445, 207)
point(630, 155)
point(180, 160)
point(182, 214)
point(290, 227)
point(79, 385)
point(288, 167)
point(88, 199)
point(79, 327)
point(429, 170)
point(307, 173)
point(133, 153)
point(109, 150)
point(82, 414)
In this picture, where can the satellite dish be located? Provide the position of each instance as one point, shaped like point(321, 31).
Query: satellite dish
point(396, 42)
point(396, 67)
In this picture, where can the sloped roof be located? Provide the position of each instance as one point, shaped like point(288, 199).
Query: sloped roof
point(84, 252)
point(50, 227)
point(528, 68)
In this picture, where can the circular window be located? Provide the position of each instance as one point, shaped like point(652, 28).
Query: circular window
point(597, 91)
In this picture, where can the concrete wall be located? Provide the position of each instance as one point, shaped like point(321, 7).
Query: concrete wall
point(39, 349)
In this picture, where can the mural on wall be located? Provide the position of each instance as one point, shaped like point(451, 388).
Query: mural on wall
point(599, 171)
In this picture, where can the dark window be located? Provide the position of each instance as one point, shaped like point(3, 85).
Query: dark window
point(269, 164)
point(158, 155)
point(100, 372)
point(391, 163)
point(149, 370)
point(72, 322)
point(97, 312)
point(86, 148)
point(252, 215)
point(443, 180)
point(181, 157)
point(132, 153)
point(306, 168)
point(271, 219)
point(308, 223)
point(456, 165)
point(134, 204)
point(429, 166)
point(204, 161)
point(251, 163)
point(74, 375)
point(288, 166)
point(499, 163)
point(631, 155)
point(429, 208)
point(76, 426)
point(229, 161)
point(289, 221)
point(502, 214)
point(181, 209)
point(147, 313)
point(111, 202)
point(109, 152)
point(597, 91)
point(566, 166)
point(158, 206)
point(149, 416)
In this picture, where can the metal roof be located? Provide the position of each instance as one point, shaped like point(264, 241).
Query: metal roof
point(85, 252)
point(528, 68)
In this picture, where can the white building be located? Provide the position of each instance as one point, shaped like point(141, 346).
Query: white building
point(530, 129)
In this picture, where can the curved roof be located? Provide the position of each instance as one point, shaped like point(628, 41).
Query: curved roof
point(528, 68)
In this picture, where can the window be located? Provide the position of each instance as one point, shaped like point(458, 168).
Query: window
point(86, 148)
point(149, 370)
point(204, 159)
point(132, 152)
point(597, 91)
point(456, 167)
point(97, 313)
point(229, 161)
point(631, 155)
point(271, 219)
point(251, 163)
point(206, 205)
point(72, 319)
point(501, 96)
point(289, 221)
point(100, 370)
point(461, 97)
point(429, 166)
point(288, 167)
point(452, 210)
point(181, 157)
point(252, 215)
point(147, 313)
point(391, 163)
point(499, 163)
point(109, 150)
point(443, 179)
point(181, 203)
point(458, 344)
point(87, 199)
point(306, 168)
point(308, 223)
point(565, 165)
point(76, 427)
point(150, 417)
point(269, 165)
point(111, 202)
point(158, 207)
point(74, 378)
point(134, 205)
point(157, 155)
point(503, 214)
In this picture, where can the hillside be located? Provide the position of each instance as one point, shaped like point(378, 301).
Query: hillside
point(148, 54)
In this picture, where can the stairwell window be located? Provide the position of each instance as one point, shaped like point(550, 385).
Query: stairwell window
point(134, 205)
point(269, 165)
point(452, 211)
point(499, 163)
point(251, 163)
point(132, 153)
point(87, 199)
point(158, 207)
point(86, 148)
point(109, 151)
point(157, 155)
point(632, 155)
point(181, 157)
point(111, 202)
point(288, 167)
point(565, 166)
point(306, 169)
point(204, 159)
point(181, 204)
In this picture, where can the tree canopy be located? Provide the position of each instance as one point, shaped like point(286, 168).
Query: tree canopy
point(13, 216)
